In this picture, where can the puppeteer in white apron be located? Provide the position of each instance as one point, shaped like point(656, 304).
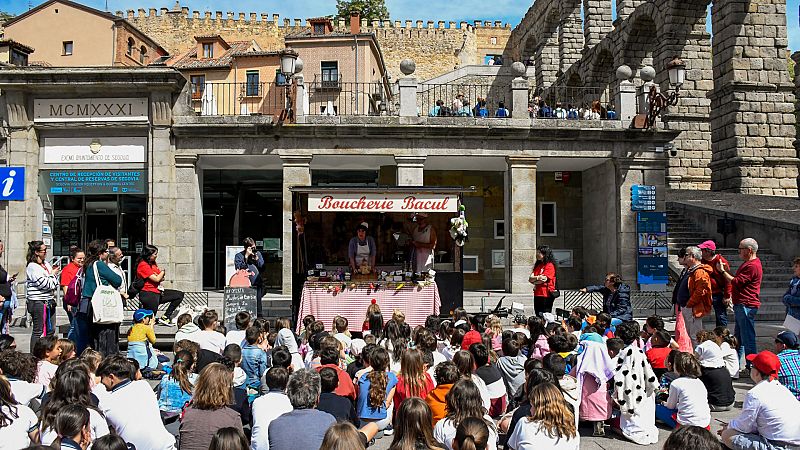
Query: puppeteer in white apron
point(362, 253)
point(424, 256)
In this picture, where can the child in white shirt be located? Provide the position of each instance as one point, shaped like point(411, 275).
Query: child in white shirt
point(687, 404)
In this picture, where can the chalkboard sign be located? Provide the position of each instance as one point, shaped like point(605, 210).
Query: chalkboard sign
point(236, 299)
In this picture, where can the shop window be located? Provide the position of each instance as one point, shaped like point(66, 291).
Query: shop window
point(198, 85)
point(208, 51)
point(470, 264)
point(130, 47)
point(547, 219)
point(252, 85)
point(66, 48)
point(142, 55)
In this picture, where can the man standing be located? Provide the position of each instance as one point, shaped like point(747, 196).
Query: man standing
point(694, 294)
point(745, 293)
point(720, 287)
point(786, 347)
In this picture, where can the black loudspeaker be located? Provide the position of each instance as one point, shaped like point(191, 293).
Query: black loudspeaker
point(451, 291)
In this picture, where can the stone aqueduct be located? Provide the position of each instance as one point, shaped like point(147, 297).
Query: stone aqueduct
point(736, 111)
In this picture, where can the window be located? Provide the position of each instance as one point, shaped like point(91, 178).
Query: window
point(130, 46)
point(198, 85)
point(252, 85)
point(547, 219)
point(330, 72)
point(142, 54)
point(319, 28)
point(208, 51)
point(18, 58)
point(493, 40)
point(280, 79)
point(67, 48)
point(470, 264)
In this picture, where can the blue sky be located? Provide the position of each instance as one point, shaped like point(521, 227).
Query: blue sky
point(448, 10)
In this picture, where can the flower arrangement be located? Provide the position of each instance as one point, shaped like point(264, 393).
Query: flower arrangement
point(458, 227)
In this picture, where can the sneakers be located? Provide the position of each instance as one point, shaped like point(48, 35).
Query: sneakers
point(598, 429)
point(388, 431)
point(163, 320)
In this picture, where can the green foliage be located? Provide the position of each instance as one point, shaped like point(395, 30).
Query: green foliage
point(5, 16)
point(369, 9)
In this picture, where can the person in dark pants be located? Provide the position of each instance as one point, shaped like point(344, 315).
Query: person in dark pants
point(103, 337)
point(543, 278)
point(152, 294)
point(5, 294)
point(251, 260)
point(721, 289)
point(40, 288)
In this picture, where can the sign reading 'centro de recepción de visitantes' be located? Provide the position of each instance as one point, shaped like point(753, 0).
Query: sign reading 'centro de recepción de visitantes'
point(89, 109)
point(387, 202)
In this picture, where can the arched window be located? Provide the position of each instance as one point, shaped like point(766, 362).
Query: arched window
point(130, 46)
point(142, 54)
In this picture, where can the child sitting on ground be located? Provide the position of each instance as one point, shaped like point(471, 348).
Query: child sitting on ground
point(254, 359)
point(512, 367)
point(342, 333)
point(687, 404)
point(728, 344)
point(234, 353)
point(47, 352)
point(715, 376)
point(658, 352)
point(236, 336)
point(614, 346)
point(340, 407)
point(141, 338)
point(568, 384)
point(175, 389)
point(186, 328)
point(67, 350)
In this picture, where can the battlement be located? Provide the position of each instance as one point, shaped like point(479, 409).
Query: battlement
point(239, 19)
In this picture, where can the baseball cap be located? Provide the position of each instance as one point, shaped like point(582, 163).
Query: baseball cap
point(140, 314)
point(787, 338)
point(766, 362)
point(709, 245)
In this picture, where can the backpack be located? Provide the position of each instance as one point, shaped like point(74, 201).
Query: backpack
point(74, 290)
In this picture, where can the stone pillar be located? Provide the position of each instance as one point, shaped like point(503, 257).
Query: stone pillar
point(547, 55)
point(408, 97)
point(519, 98)
point(752, 105)
point(520, 222)
point(625, 8)
point(188, 253)
point(570, 35)
point(596, 21)
point(296, 172)
point(410, 170)
point(24, 218)
point(626, 101)
point(300, 99)
point(796, 59)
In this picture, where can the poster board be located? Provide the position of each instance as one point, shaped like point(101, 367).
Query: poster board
point(235, 299)
point(230, 254)
point(651, 236)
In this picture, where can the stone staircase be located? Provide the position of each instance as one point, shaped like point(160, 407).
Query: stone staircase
point(777, 271)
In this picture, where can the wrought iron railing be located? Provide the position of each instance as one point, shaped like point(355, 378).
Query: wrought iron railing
point(574, 103)
point(339, 98)
point(238, 99)
point(463, 100)
point(659, 302)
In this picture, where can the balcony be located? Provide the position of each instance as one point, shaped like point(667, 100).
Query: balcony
point(238, 99)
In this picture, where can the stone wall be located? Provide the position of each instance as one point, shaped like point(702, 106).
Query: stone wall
point(568, 197)
point(437, 47)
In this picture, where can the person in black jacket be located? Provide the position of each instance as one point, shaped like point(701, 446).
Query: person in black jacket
point(5, 294)
point(616, 297)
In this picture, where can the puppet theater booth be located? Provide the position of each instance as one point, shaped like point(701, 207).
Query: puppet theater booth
point(326, 219)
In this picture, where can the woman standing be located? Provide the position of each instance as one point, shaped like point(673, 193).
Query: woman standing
point(208, 410)
point(40, 287)
point(424, 240)
point(152, 294)
point(105, 337)
point(6, 306)
point(543, 278)
point(76, 258)
point(362, 250)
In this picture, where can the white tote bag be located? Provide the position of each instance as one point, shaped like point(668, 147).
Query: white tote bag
point(106, 303)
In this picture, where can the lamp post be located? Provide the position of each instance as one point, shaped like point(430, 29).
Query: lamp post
point(288, 67)
point(659, 101)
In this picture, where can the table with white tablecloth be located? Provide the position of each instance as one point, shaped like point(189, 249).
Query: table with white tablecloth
point(328, 300)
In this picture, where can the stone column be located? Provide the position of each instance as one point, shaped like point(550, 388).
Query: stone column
point(625, 8)
point(24, 218)
point(296, 172)
point(188, 253)
point(519, 98)
point(300, 99)
point(520, 219)
point(752, 105)
point(408, 97)
point(596, 21)
point(626, 101)
point(410, 170)
point(547, 55)
point(570, 35)
point(796, 59)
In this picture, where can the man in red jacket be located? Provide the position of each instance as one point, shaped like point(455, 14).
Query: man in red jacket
point(720, 287)
point(745, 296)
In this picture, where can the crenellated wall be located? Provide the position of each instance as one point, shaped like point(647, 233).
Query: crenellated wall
point(437, 47)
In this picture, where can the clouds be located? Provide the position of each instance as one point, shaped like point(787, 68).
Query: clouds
point(508, 11)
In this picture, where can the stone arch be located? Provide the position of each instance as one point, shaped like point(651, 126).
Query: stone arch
point(641, 40)
point(547, 53)
point(601, 74)
point(529, 49)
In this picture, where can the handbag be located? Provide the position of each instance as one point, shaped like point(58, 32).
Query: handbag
point(106, 303)
point(72, 297)
point(554, 294)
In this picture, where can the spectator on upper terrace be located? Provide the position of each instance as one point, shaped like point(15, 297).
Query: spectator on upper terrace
point(572, 112)
point(458, 102)
point(545, 110)
point(611, 112)
point(560, 112)
point(465, 110)
point(482, 110)
point(501, 111)
point(436, 109)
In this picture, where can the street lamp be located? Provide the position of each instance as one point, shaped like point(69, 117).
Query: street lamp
point(659, 101)
point(288, 67)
